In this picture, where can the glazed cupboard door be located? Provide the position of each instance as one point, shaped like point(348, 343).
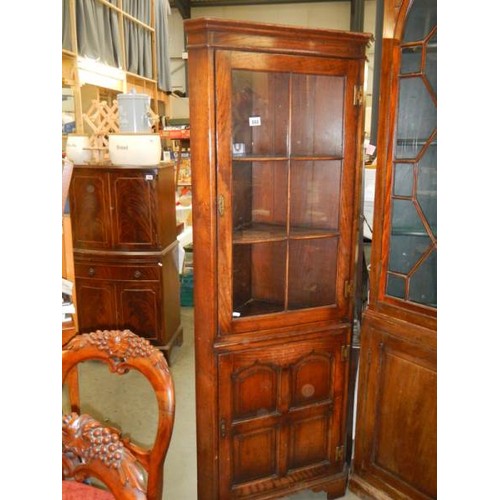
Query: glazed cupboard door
point(285, 188)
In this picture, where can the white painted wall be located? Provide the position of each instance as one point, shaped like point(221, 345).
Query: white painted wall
point(176, 47)
point(330, 15)
point(327, 15)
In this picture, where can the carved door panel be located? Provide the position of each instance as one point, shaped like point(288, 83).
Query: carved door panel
point(280, 415)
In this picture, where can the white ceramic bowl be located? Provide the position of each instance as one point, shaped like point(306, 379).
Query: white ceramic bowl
point(75, 148)
point(135, 149)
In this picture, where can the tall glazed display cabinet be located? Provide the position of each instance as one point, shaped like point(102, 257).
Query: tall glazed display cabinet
point(276, 131)
point(395, 446)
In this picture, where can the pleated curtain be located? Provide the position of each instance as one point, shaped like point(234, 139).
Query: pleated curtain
point(98, 36)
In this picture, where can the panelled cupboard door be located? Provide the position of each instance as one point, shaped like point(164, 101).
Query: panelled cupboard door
point(134, 210)
point(397, 446)
point(280, 416)
point(89, 206)
point(285, 188)
point(96, 304)
point(139, 308)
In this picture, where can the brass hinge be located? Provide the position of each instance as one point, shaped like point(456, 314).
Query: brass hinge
point(222, 427)
point(348, 289)
point(339, 453)
point(344, 352)
point(359, 95)
point(220, 204)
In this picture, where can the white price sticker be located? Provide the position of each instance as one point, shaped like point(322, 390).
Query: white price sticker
point(254, 121)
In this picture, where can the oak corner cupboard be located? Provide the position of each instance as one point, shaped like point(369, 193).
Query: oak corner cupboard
point(125, 251)
point(276, 118)
point(396, 433)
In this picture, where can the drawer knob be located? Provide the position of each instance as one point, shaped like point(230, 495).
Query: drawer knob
point(91, 271)
point(137, 274)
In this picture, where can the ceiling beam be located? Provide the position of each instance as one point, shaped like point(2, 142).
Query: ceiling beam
point(357, 15)
point(184, 7)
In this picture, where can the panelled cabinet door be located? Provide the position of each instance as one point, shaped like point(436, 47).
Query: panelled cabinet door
point(399, 416)
point(90, 217)
point(285, 185)
point(134, 209)
point(280, 414)
point(139, 308)
point(96, 304)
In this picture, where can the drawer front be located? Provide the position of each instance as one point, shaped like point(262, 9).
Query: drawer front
point(118, 272)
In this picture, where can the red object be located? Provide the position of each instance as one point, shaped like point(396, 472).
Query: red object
point(177, 134)
point(72, 490)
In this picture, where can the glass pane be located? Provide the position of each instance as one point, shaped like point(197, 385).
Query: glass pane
point(259, 113)
point(285, 189)
point(312, 274)
point(315, 194)
point(421, 19)
point(431, 63)
point(411, 60)
point(416, 117)
point(406, 251)
point(427, 186)
point(403, 179)
point(258, 278)
point(405, 219)
point(412, 252)
point(259, 194)
point(396, 286)
point(423, 283)
point(317, 118)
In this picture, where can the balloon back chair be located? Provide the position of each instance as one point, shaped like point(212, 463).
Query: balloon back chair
point(94, 450)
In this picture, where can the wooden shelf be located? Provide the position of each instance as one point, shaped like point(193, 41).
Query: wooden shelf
point(255, 307)
point(247, 158)
point(262, 233)
point(259, 233)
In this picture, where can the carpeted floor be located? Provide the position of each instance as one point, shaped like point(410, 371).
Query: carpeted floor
point(128, 402)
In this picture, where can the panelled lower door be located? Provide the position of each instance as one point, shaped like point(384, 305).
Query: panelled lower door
point(286, 153)
point(280, 416)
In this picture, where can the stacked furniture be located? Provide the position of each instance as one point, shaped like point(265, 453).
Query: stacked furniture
point(125, 251)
